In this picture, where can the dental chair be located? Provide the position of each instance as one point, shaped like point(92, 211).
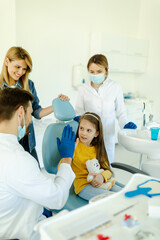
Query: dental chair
point(64, 114)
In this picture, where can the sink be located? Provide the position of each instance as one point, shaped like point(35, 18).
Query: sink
point(139, 141)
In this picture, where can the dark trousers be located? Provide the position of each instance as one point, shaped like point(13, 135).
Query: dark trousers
point(25, 144)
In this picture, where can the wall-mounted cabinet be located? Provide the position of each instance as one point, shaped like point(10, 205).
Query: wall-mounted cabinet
point(124, 54)
point(113, 44)
point(137, 47)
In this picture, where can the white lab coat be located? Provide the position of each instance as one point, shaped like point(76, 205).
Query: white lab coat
point(108, 103)
point(24, 190)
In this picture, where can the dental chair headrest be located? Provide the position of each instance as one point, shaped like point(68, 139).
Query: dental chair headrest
point(63, 110)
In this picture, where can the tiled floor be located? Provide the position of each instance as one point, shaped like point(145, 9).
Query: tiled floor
point(124, 156)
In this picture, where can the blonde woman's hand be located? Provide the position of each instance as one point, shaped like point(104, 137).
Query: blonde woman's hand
point(63, 97)
point(98, 179)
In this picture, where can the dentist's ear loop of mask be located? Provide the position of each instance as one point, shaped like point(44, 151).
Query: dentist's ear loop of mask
point(143, 190)
point(21, 130)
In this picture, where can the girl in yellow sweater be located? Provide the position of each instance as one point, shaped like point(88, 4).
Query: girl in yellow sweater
point(90, 145)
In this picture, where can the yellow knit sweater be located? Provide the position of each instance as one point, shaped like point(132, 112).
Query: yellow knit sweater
point(81, 155)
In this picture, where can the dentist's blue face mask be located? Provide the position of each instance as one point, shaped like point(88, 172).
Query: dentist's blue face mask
point(97, 79)
point(21, 130)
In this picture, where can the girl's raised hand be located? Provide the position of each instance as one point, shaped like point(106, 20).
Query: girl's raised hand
point(76, 142)
point(63, 97)
point(98, 179)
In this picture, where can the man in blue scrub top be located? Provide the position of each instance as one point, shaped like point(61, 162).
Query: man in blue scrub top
point(24, 190)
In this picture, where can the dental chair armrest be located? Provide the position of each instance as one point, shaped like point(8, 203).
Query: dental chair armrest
point(127, 168)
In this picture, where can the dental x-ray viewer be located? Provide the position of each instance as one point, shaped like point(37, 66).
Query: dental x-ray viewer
point(24, 190)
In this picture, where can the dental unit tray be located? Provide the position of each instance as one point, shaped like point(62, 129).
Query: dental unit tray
point(84, 225)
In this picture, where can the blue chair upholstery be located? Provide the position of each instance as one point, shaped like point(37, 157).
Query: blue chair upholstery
point(65, 113)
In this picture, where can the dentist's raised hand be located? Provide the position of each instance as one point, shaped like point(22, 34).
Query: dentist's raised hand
point(66, 145)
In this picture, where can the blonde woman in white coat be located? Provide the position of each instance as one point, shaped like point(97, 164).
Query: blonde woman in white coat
point(104, 97)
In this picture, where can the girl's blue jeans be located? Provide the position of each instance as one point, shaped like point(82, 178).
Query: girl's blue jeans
point(89, 191)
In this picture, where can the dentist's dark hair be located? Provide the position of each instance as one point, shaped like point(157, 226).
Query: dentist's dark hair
point(97, 141)
point(11, 99)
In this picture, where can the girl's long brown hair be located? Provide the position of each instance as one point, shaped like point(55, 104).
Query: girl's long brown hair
point(97, 141)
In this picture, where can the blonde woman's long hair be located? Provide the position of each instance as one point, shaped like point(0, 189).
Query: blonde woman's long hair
point(16, 53)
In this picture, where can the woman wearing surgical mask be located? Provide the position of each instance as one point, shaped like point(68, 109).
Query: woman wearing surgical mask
point(104, 97)
point(15, 71)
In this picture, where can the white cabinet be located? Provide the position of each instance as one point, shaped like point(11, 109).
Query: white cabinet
point(113, 44)
point(117, 62)
point(124, 54)
point(137, 47)
point(136, 64)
